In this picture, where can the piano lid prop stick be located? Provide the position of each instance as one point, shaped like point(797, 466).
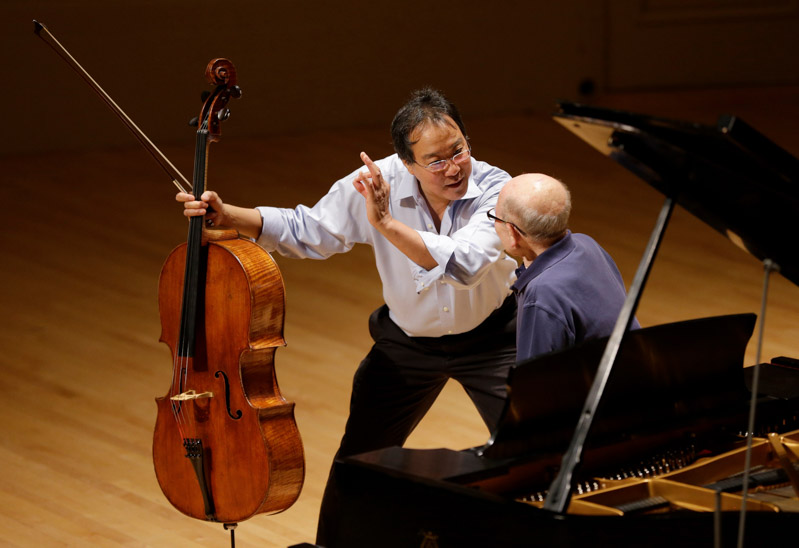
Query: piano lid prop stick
point(560, 491)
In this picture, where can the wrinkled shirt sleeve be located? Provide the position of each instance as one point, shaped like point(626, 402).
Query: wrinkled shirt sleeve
point(334, 225)
point(467, 254)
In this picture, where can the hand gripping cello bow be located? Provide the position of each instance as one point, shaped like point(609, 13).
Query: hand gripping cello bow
point(225, 446)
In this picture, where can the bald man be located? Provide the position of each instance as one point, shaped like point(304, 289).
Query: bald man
point(568, 288)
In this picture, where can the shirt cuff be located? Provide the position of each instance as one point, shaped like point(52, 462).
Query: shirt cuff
point(441, 248)
point(271, 227)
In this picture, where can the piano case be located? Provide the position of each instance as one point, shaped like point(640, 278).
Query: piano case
point(677, 401)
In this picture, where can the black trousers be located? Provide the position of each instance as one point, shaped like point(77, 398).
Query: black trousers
point(398, 381)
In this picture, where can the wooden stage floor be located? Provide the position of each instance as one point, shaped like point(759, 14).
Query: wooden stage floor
point(84, 240)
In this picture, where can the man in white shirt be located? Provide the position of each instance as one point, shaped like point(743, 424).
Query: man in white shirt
point(449, 311)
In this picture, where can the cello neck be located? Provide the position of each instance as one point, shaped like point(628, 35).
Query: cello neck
point(222, 73)
point(195, 251)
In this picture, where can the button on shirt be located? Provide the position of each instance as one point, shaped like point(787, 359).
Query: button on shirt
point(473, 275)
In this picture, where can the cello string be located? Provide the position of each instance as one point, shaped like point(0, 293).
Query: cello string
point(190, 313)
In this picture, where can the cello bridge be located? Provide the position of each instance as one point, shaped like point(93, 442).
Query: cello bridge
point(192, 395)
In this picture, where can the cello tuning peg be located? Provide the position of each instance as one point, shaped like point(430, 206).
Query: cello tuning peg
point(223, 115)
point(235, 91)
point(194, 122)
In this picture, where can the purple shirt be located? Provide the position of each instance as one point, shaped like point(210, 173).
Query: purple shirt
point(572, 292)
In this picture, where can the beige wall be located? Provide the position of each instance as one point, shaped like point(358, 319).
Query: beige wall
point(301, 65)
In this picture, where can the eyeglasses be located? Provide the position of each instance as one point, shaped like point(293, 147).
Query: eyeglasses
point(460, 158)
point(498, 220)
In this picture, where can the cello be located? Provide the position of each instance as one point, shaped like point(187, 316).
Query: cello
point(225, 445)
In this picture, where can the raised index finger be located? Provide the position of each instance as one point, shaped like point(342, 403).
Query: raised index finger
point(370, 165)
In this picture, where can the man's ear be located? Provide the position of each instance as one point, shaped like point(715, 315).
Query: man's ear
point(515, 235)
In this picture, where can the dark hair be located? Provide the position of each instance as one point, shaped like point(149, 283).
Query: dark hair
point(425, 104)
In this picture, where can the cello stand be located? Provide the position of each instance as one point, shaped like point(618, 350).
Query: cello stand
point(232, 528)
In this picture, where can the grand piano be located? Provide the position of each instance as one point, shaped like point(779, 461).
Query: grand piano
point(651, 437)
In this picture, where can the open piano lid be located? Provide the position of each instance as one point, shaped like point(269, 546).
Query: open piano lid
point(730, 176)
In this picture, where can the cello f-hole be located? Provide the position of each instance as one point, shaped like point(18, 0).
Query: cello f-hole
point(238, 414)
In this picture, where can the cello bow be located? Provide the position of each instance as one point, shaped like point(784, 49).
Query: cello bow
point(175, 175)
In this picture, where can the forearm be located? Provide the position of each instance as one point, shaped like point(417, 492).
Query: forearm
point(246, 220)
point(466, 256)
point(408, 241)
point(376, 191)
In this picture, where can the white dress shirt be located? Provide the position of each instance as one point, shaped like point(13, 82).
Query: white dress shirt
point(473, 276)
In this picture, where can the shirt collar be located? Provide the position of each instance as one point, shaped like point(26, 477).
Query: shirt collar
point(406, 186)
point(548, 258)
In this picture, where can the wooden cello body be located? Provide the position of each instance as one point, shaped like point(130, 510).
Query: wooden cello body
point(225, 445)
point(252, 457)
